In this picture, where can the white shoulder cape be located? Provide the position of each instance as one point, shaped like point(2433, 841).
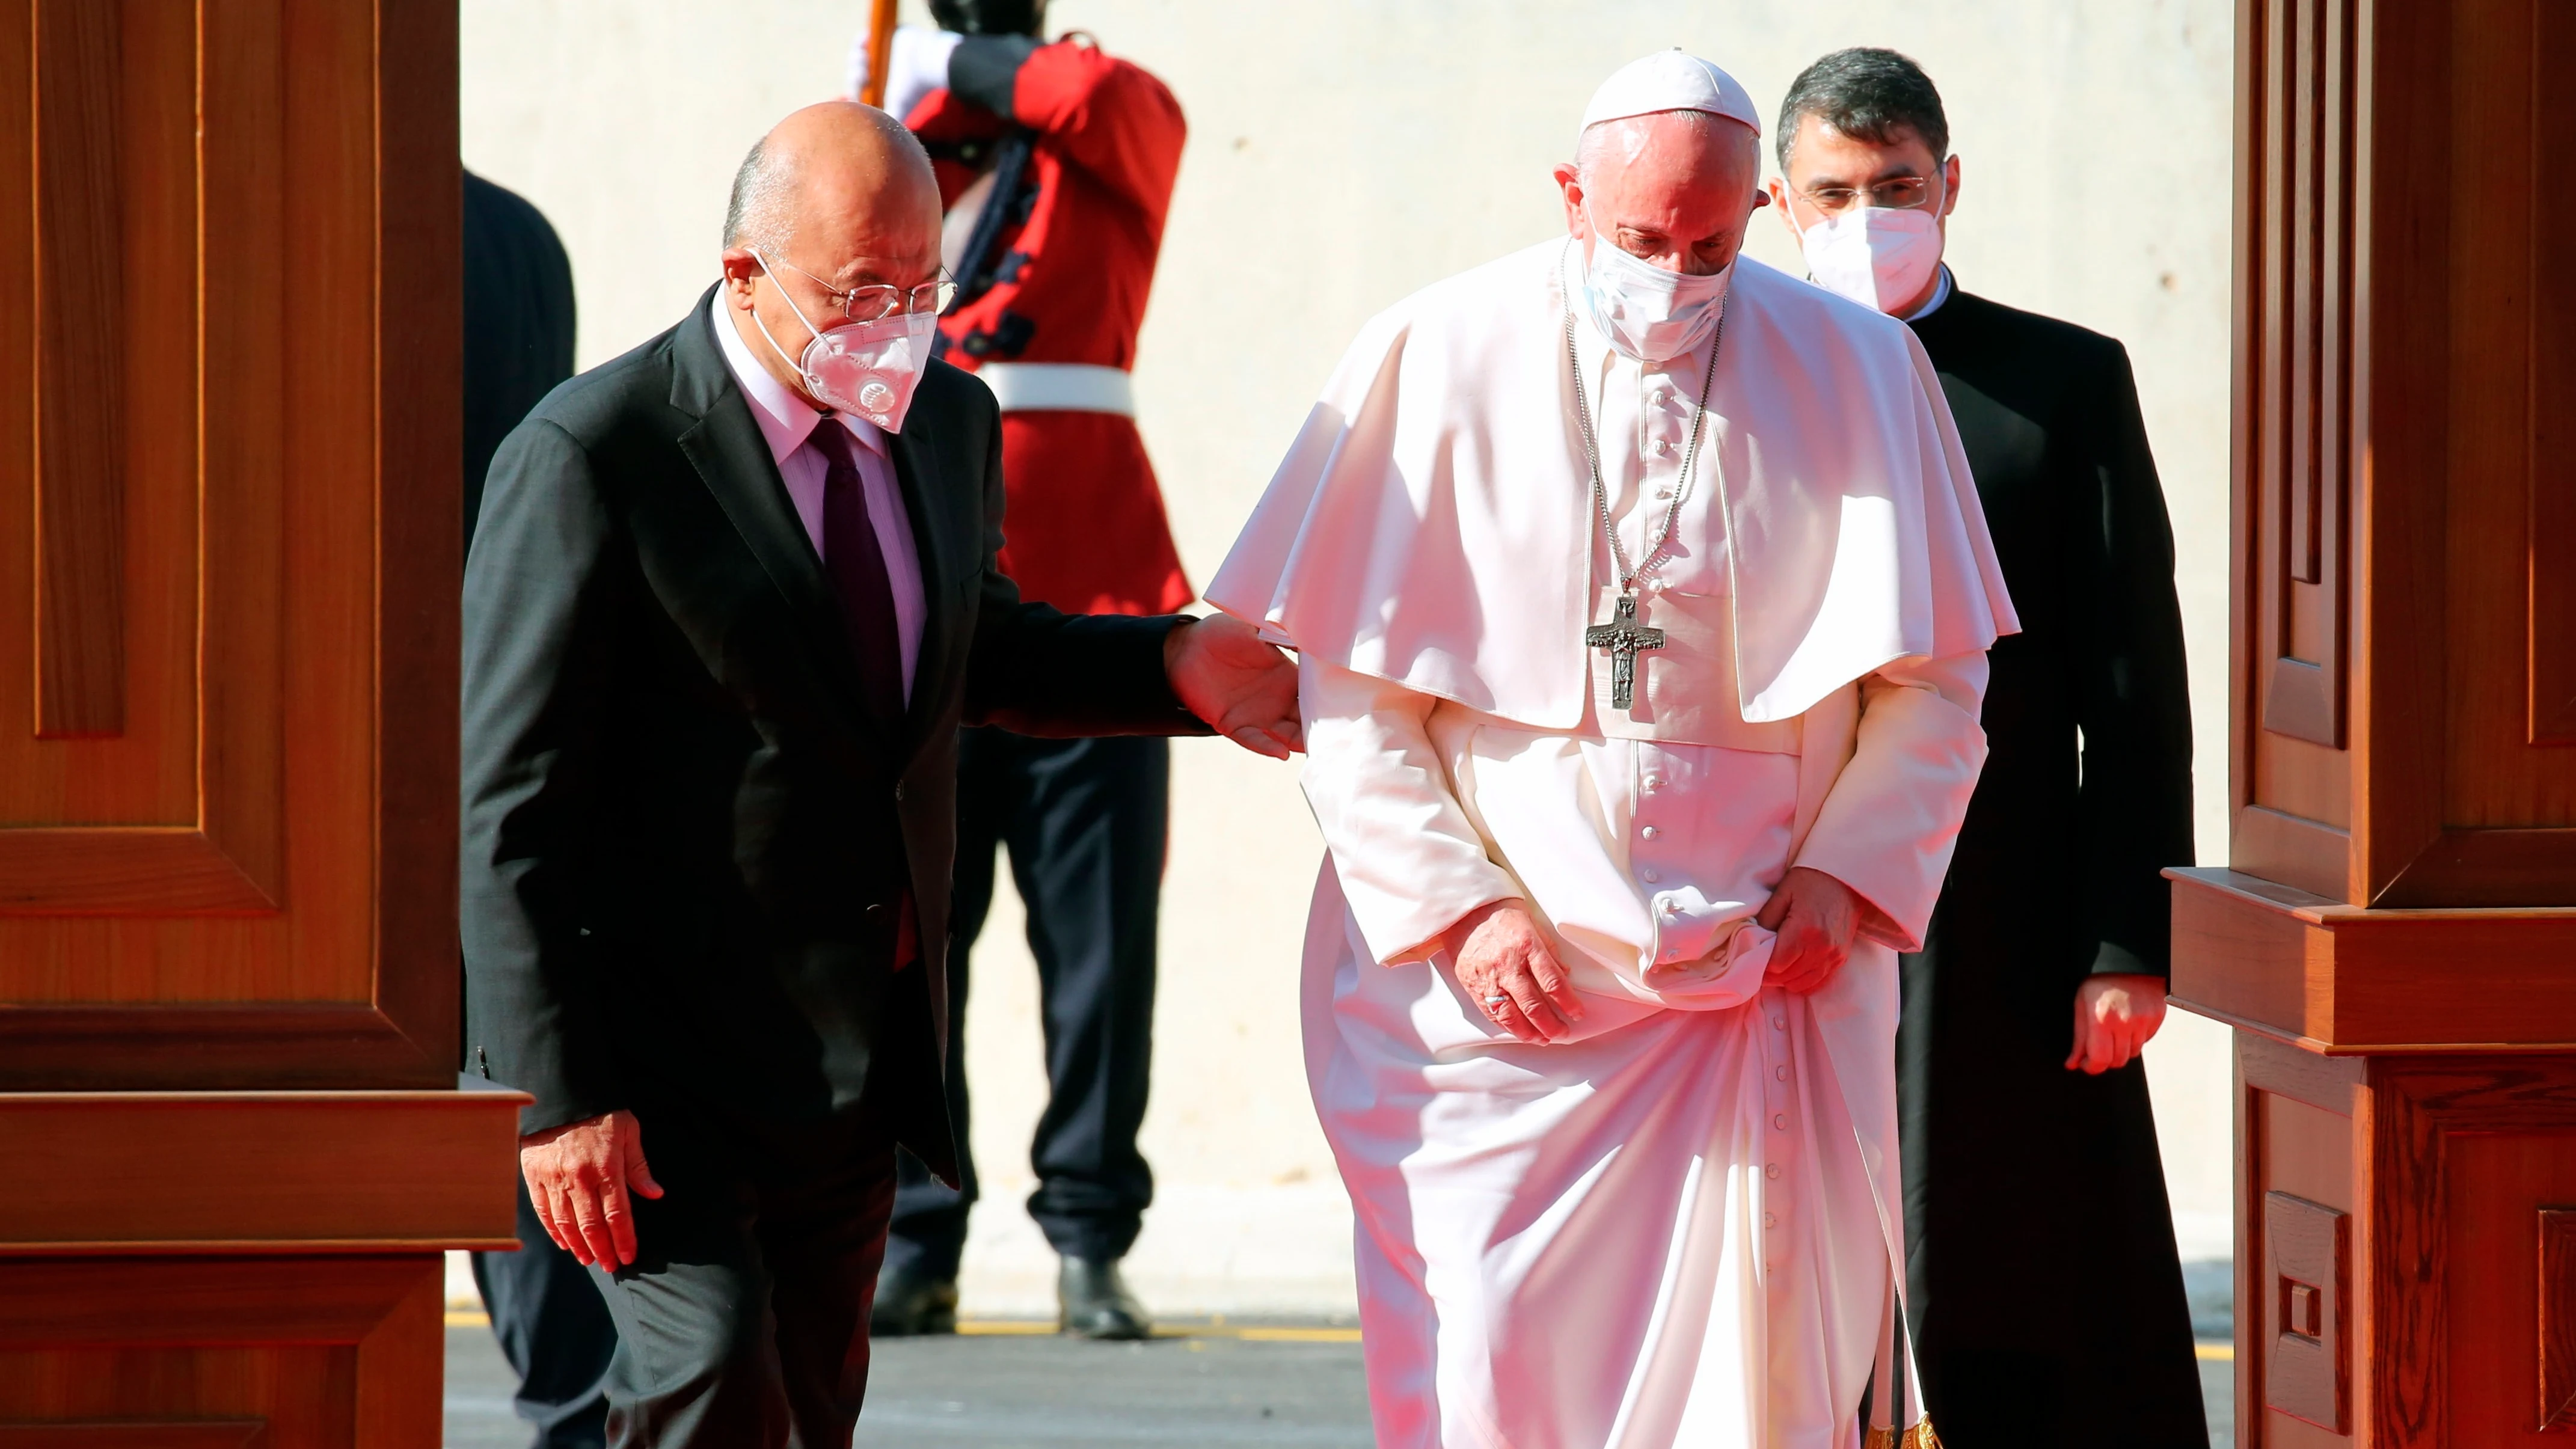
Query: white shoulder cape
point(1432, 523)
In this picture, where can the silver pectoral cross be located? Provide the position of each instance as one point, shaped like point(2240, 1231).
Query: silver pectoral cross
point(1624, 637)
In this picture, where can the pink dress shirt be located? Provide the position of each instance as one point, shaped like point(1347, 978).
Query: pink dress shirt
point(787, 421)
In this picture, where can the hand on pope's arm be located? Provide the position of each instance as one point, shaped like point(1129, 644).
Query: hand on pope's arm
point(1245, 689)
point(2115, 1017)
point(579, 1175)
point(1816, 918)
point(1498, 951)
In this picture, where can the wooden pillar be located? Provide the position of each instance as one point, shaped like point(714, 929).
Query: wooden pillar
point(232, 1143)
point(2394, 941)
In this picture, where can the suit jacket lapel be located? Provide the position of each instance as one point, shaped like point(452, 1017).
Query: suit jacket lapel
point(918, 467)
point(732, 459)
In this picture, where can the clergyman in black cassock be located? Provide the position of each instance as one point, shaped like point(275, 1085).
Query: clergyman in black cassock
point(2043, 1290)
point(2043, 1276)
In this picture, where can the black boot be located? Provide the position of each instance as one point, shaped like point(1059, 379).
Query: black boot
point(911, 1301)
point(1094, 1301)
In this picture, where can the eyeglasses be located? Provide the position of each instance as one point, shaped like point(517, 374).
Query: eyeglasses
point(878, 302)
point(1896, 193)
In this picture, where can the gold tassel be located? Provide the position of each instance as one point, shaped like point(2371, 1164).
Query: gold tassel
point(1920, 1436)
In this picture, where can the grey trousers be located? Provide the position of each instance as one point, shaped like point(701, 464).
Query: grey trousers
point(742, 1324)
point(555, 1333)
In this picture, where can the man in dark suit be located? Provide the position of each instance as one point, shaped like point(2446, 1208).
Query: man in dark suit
point(550, 1322)
point(730, 599)
point(2047, 1302)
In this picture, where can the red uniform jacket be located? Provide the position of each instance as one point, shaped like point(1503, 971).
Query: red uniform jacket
point(1069, 272)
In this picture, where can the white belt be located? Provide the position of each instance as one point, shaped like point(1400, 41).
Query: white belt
point(1072, 387)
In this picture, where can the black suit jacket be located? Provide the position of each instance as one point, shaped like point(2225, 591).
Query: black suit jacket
point(686, 837)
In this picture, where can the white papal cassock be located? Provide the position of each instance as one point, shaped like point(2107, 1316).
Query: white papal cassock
point(1677, 1228)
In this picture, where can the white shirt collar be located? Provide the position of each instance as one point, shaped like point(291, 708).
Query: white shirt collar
point(1940, 294)
point(785, 419)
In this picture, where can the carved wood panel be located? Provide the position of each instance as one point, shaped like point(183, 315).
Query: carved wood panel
point(2556, 1326)
point(2296, 1140)
point(317, 1353)
point(2500, 782)
point(80, 334)
point(2551, 571)
point(2307, 1270)
point(2299, 253)
point(250, 880)
point(98, 580)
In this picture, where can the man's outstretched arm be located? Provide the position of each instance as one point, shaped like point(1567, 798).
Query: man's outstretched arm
point(1036, 671)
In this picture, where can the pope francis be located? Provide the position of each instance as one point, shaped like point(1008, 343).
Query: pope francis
point(1642, 601)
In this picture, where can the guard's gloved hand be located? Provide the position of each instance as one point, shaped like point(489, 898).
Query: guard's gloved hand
point(920, 66)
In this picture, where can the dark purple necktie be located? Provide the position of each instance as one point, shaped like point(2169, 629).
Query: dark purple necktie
point(856, 562)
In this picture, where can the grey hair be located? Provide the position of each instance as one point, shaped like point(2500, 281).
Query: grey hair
point(762, 212)
point(1625, 137)
point(1869, 94)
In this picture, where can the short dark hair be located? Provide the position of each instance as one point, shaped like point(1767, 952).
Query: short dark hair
point(1866, 93)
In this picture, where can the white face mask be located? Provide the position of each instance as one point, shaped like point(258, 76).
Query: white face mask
point(865, 369)
point(1648, 313)
point(1878, 256)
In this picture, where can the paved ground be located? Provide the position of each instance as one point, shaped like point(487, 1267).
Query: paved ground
point(1214, 1386)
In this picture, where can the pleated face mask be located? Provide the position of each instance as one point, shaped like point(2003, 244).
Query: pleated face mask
point(1648, 313)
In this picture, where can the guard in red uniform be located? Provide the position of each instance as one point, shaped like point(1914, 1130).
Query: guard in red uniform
point(1056, 162)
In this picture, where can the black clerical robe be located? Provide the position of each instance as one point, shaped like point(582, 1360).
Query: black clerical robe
point(2048, 1301)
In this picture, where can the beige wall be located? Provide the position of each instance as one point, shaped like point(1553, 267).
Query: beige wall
point(1344, 152)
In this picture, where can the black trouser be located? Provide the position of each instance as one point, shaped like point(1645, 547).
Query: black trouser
point(1085, 823)
point(554, 1331)
point(742, 1323)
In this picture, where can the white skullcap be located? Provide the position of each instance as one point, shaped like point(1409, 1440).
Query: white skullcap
point(1670, 80)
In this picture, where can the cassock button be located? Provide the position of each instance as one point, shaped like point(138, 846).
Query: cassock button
point(1650, 832)
point(1770, 1220)
point(1672, 908)
point(1654, 783)
point(1772, 1171)
point(1779, 1121)
point(1781, 1072)
point(1651, 876)
point(1663, 448)
point(1779, 1023)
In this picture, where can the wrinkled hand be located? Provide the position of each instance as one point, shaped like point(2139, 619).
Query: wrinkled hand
point(2115, 1017)
point(1816, 918)
point(1498, 951)
point(1246, 689)
point(578, 1176)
